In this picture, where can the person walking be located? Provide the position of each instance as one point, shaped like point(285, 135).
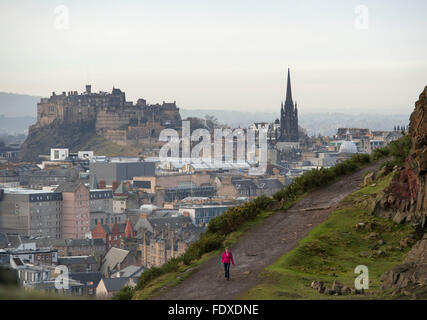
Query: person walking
point(226, 259)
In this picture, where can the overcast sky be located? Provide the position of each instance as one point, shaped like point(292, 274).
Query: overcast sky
point(230, 54)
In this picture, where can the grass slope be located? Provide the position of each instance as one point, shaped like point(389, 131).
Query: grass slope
point(102, 146)
point(333, 249)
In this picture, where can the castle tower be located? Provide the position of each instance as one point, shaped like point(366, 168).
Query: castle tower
point(288, 116)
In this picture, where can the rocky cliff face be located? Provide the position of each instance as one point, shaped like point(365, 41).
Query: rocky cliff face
point(405, 200)
point(411, 275)
point(55, 135)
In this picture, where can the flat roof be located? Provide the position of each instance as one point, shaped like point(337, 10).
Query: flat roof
point(26, 191)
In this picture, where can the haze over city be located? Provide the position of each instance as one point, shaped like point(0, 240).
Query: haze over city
point(222, 54)
point(225, 153)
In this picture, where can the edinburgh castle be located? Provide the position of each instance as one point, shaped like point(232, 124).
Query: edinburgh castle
point(115, 118)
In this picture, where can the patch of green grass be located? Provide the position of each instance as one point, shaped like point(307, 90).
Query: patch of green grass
point(100, 145)
point(332, 250)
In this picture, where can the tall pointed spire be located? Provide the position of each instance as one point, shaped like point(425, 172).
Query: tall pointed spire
point(289, 90)
point(289, 116)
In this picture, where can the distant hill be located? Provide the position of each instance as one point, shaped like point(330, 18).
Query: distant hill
point(18, 105)
point(15, 125)
point(323, 123)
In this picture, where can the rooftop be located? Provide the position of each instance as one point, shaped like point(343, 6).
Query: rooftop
point(25, 191)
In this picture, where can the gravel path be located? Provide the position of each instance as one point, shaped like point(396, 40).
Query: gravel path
point(264, 244)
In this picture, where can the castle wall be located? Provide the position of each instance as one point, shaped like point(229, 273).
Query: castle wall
point(110, 120)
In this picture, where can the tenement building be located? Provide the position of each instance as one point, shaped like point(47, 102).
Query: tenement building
point(75, 210)
point(31, 212)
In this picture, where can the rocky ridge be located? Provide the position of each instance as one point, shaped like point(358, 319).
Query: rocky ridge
point(405, 201)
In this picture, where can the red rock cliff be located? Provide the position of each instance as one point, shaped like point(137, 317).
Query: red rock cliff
point(405, 200)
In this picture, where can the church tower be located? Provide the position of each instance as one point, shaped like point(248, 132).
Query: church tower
point(288, 116)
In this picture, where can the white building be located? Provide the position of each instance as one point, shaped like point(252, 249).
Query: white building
point(85, 155)
point(58, 154)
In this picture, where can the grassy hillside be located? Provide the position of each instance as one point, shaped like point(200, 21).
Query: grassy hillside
point(333, 249)
point(102, 146)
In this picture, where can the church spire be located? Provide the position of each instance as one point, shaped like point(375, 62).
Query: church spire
point(289, 116)
point(288, 90)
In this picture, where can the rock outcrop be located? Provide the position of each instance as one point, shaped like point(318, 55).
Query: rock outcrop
point(55, 135)
point(412, 274)
point(405, 200)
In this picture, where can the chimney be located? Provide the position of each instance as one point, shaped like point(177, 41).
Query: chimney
point(88, 89)
point(186, 214)
point(102, 184)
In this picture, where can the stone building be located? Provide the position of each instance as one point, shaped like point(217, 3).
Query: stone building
point(31, 212)
point(101, 200)
point(161, 236)
point(9, 178)
point(75, 210)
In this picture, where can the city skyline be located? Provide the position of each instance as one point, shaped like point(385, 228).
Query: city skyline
point(220, 56)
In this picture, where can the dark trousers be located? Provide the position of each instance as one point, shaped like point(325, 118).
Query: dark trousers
point(227, 270)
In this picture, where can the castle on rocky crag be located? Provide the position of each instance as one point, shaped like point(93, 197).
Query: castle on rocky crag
point(115, 118)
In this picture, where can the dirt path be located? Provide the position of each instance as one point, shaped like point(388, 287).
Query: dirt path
point(264, 244)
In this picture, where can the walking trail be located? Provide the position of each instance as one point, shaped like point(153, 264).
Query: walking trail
point(264, 244)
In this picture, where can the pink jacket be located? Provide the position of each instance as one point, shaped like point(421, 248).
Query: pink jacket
point(227, 257)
